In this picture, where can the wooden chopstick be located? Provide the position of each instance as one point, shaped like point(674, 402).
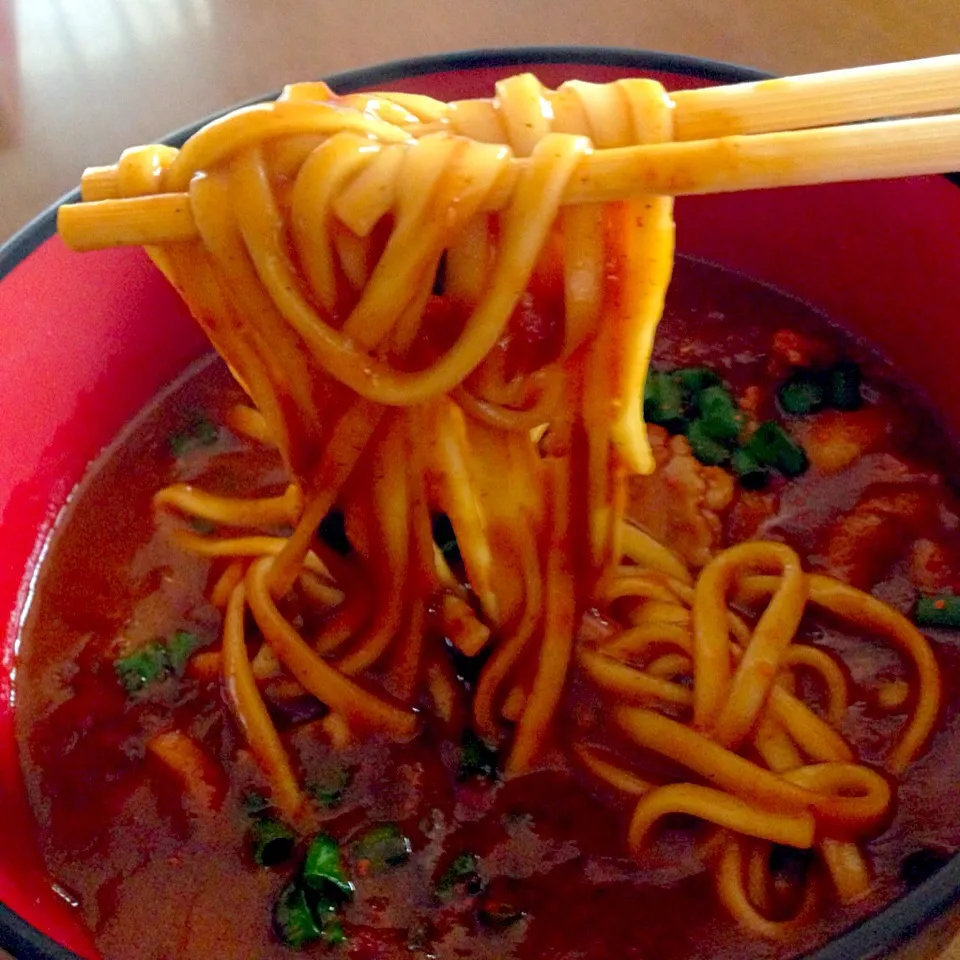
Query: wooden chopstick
point(863, 151)
point(772, 133)
point(881, 92)
point(867, 151)
point(819, 99)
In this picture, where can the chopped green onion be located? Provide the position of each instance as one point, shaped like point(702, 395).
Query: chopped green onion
point(938, 612)
point(383, 846)
point(272, 842)
point(791, 458)
point(205, 432)
point(803, 393)
point(143, 667)
point(180, 648)
point(462, 873)
point(771, 446)
point(333, 934)
point(810, 390)
point(445, 538)
point(719, 415)
point(477, 759)
point(327, 914)
point(323, 869)
point(844, 386)
point(707, 450)
point(752, 475)
point(198, 432)
point(156, 661)
point(663, 401)
point(333, 532)
point(329, 791)
point(308, 909)
point(293, 919)
point(694, 380)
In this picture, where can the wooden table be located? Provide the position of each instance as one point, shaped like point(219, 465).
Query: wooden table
point(79, 81)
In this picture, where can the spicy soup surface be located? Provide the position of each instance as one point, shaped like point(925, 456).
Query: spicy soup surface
point(532, 867)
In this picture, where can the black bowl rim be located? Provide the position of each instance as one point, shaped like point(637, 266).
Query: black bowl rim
point(870, 938)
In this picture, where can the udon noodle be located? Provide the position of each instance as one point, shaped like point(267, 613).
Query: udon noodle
point(317, 229)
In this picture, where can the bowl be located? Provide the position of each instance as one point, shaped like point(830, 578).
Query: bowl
point(89, 339)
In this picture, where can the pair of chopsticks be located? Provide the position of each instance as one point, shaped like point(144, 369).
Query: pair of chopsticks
point(803, 130)
point(823, 127)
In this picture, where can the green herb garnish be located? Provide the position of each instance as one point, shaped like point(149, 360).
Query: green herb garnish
point(695, 402)
point(198, 431)
point(803, 393)
point(143, 667)
point(752, 475)
point(943, 611)
point(694, 380)
point(157, 661)
point(323, 870)
point(720, 416)
point(807, 391)
point(332, 933)
point(309, 908)
point(329, 791)
point(663, 401)
point(477, 759)
point(180, 648)
point(844, 386)
point(462, 873)
point(704, 447)
point(383, 846)
point(272, 842)
point(293, 918)
point(772, 446)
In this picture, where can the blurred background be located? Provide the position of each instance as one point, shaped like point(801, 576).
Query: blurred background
point(82, 79)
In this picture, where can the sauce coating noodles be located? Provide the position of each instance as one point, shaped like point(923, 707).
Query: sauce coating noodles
point(509, 403)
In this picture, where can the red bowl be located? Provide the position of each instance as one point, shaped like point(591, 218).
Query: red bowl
point(88, 340)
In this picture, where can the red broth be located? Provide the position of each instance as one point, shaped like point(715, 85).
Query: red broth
point(156, 874)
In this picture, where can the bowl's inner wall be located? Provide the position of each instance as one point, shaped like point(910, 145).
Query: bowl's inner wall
point(89, 339)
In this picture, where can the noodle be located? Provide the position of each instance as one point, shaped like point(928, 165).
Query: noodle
point(251, 713)
point(307, 237)
point(793, 828)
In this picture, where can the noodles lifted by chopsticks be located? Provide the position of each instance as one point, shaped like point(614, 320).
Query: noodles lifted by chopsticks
point(422, 330)
point(322, 226)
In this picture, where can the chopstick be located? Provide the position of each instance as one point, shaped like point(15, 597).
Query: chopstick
point(868, 151)
point(819, 99)
point(884, 91)
point(705, 164)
